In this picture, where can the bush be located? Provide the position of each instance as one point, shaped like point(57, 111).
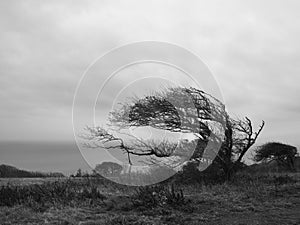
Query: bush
point(284, 180)
point(190, 174)
point(158, 195)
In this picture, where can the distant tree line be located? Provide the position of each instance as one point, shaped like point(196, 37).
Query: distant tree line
point(106, 169)
point(7, 171)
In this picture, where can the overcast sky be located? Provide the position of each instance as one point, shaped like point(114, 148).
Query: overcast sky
point(252, 48)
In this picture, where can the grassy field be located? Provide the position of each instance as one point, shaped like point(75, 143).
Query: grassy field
point(261, 199)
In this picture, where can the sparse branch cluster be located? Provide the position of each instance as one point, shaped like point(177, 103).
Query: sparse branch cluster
point(245, 136)
point(98, 137)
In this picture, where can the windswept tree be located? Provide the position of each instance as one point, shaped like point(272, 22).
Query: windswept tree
point(183, 111)
point(176, 110)
point(283, 154)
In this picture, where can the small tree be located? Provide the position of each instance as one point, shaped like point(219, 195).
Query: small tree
point(283, 154)
point(109, 169)
point(78, 173)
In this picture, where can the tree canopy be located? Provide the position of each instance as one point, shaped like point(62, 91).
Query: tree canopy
point(282, 153)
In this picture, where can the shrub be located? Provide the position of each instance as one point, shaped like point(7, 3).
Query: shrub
point(158, 195)
point(284, 180)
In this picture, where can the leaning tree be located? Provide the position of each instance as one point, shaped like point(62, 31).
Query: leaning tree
point(214, 135)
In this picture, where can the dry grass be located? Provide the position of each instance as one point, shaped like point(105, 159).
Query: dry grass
point(247, 200)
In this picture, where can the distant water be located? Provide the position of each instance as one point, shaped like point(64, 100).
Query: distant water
point(43, 156)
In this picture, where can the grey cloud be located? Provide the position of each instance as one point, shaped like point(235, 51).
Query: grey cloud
point(252, 48)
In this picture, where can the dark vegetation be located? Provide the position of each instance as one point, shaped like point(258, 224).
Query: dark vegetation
point(247, 199)
point(41, 196)
point(158, 195)
point(283, 154)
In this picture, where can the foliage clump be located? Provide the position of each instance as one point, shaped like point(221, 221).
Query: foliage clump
point(158, 195)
